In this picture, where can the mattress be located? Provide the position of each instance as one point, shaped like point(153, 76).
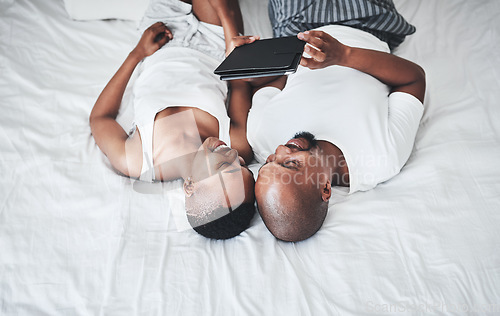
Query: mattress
point(76, 238)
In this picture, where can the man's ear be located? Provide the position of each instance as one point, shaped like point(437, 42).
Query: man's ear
point(326, 191)
point(188, 187)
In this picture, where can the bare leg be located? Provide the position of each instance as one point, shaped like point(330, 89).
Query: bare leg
point(225, 13)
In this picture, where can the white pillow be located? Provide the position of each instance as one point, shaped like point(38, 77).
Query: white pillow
point(106, 9)
point(256, 18)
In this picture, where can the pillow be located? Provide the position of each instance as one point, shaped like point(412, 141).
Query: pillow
point(256, 18)
point(106, 9)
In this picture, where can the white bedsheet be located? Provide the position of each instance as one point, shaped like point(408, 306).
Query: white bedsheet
point(77, 239)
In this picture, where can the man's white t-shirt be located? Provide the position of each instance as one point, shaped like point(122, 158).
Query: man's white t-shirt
point(374, 129)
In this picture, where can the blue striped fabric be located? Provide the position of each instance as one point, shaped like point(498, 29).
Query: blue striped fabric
point(378, 17)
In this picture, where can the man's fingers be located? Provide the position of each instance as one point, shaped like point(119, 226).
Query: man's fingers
point(313, 38)
point(318, 34)
point(309, 63)
point(314, 53)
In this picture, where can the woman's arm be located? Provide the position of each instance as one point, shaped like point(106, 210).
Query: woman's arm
point(229, 14)
point(108, 134)
point(240, 102)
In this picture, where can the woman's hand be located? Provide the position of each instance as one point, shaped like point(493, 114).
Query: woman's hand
point(240, 41)
point(324, 50)
point(153, 38)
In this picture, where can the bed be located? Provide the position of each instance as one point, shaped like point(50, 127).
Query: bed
point(78, 239)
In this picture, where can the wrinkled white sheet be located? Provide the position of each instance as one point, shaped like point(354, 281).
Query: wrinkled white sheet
point(77, 239)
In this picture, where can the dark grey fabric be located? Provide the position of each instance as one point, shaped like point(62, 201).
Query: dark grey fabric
point(378, 17)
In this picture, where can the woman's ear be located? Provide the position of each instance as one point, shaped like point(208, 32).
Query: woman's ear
point(188, 187)
point(326, 191)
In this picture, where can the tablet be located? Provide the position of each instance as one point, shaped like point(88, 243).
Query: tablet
point(267, 57)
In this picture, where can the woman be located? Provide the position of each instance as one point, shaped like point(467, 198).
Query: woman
point(182, 129)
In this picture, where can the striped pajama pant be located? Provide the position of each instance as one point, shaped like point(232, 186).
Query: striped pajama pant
point(378, 17)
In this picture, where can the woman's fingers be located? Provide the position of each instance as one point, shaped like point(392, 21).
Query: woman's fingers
point(242, 40)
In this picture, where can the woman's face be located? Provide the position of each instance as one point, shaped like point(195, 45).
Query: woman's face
point(220, 177)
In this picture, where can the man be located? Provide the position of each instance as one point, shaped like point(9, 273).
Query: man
point(354, 107)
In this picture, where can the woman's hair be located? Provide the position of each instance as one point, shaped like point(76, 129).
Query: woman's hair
point(227, 226)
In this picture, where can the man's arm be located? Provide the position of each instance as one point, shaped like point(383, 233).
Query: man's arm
point(108, 134)
point(400, 74)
